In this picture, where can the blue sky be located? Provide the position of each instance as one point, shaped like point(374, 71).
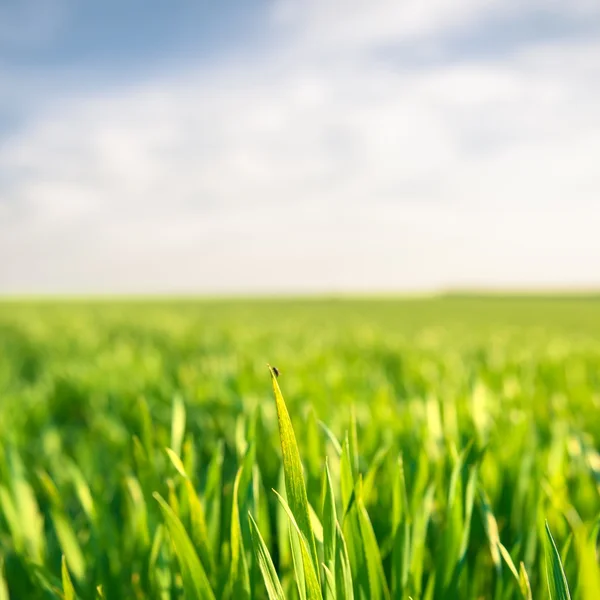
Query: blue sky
point(298, 146)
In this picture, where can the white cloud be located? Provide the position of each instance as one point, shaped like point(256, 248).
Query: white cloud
point(300, 170)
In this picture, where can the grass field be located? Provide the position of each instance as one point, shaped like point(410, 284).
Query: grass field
point(144, 446)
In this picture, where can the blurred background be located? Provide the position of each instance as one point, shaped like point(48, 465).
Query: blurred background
point(298, 146)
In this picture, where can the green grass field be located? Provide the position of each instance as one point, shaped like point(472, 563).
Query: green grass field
point(428, 442)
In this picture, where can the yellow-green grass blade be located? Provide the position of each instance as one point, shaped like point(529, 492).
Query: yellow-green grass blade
point(297, 557)
point(138, 511)
point(265, 563)
point(401, 528)
point(329, 584)
point(469, 503)
point(173, 498)
point(293, 473)
point(331, 437)
point(239, 578)
point(45, 580)
point(189, 457)
point(199, 529)
point(430, 587)
point(147, 430)
point(524, 584)
point(282, 529)
point(377, 581)
point(520, 576)
point(11, 517)
point(63, 527)
point(329, 529)
point(176, 462)
point(213, 498)
point(419, 536)
point(309, 573)
point(346, 478)
point(353, 441)
point(155, 550)
point(369, 483)
point(508, 560)
point(589, 567)
point(83, 492)
point(351, 523)
point(316, 524)
point(3, 585)
point(196, 582)
point(67, 584)
point(177, 424)
point(454, 523)
point(491, 529)
point(401, 506)
point(557, 581)
point(343, 573)
point(26, 510)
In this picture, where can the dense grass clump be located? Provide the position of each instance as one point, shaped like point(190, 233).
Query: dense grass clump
point(428, 449)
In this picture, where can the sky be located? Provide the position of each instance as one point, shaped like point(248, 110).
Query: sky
point(298, 146)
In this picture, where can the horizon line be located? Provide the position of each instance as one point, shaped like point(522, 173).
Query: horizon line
point(467, 292)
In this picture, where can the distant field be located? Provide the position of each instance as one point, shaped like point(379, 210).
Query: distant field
point(453, 427)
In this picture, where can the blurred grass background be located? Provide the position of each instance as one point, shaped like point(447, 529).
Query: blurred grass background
point(516, 376)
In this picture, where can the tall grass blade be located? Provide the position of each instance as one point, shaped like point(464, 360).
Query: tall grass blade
point(265, 563)
point(199, 529)
point(309, 573)
point(329, 530)
point(377, 581)
point(524, 584)
point(196, 582)
point(343, 573)
point(67, 584)
point(557, 581)
point(293, 473)
point(491, 529)
point(239, 577)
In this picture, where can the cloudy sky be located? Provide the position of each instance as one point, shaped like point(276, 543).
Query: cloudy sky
point(298, 145)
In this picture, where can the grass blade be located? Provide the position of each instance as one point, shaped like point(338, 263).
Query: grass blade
point(343, 572)
point(239, 578)
point(313, 588)
point(294, 478)
point(331, 437)
point(176, 461)
point(67, 584)
point(377, 582)
point(557, 581)
point(177, 425)
point(491, 529)
point(524, 584)
point(195, 580)
point(329, 529)
point(265, 563)
point(199, 528)
point(3, 585)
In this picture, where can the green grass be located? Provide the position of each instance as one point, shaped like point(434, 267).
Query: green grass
point(435, 449)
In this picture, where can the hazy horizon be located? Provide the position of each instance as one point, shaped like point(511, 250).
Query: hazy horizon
point(310, 295)
point(298, 147)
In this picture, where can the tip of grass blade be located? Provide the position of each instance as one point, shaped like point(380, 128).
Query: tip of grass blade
point(176, 461)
